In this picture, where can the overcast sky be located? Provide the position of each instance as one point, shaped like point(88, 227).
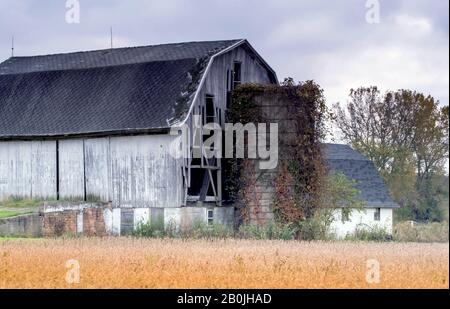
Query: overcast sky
point(328, 41)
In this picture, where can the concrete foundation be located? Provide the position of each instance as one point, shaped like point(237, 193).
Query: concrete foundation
point(174, 218)
point(22, 226)
point(101, 219)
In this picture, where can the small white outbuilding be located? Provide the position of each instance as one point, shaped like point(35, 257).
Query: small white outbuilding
point(378, 204)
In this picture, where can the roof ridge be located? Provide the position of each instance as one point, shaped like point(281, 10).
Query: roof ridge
point(98, 67)
point(123, 48)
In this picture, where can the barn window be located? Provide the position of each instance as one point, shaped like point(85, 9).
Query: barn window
point(237, 74)
point(377, 214)
point(345, 215)
point(210, 216)
point(210, 111)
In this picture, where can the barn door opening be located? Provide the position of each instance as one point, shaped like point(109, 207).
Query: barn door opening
point(205, 179)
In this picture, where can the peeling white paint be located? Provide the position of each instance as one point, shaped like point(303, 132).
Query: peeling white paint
point(71, 169)
point(28, 169)
point(80, 222)
point(136, 171)
point(141, 216)
point(59, 207)
point(108, 217)
point(188, 216)
point(143, 172)
point(98, 169)
point(116, 213)
point(43, 169)
point(172, 218)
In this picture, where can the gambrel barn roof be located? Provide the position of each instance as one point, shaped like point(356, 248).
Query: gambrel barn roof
point(123, 90)
point(343, 159)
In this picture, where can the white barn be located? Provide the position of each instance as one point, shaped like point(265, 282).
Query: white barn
point(94, 126)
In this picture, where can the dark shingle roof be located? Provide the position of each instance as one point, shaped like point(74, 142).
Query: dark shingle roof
point(373, 190)
point(111, 90)
point(113, 57)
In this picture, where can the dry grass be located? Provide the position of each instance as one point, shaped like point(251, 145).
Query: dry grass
point(429, 232)
point(151, 263)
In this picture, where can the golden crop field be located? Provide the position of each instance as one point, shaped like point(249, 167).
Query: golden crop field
point(153, 263)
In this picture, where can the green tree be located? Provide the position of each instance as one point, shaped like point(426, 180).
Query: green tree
point(338, 193)
point(405, 134)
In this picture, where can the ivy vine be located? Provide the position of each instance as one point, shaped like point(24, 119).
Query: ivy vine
point(300, 174)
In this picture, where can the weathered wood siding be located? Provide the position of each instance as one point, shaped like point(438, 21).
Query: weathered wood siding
point(216, 79)
point(98, 169)
point(131, 171)
point(28, 169)
point(43, 169)
point(144, 173)
point(71, 169)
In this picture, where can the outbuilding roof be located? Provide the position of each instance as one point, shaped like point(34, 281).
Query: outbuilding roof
point(373, 191)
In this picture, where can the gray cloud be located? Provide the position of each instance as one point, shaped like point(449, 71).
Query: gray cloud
point(328, 41)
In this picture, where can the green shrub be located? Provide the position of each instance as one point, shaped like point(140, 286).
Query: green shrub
point(19, 203)
point(271, 231)
point(312, 229)
point(421, 232)
point(368, 233)
point(149, 230)
point(201, 230)
point(8, 214)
